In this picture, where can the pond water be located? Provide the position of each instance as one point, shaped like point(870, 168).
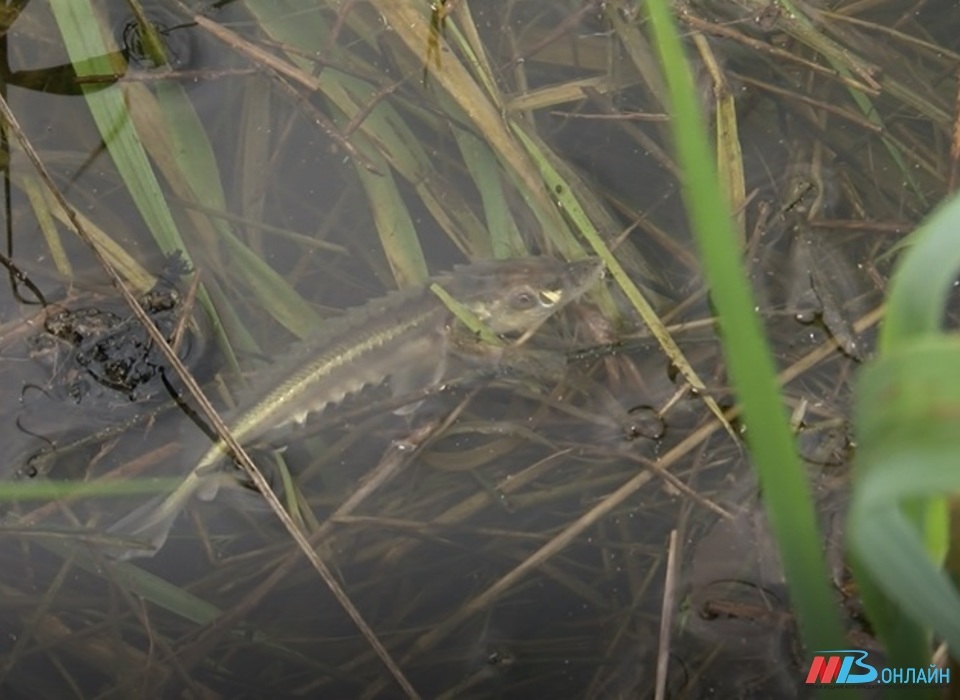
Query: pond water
point(507, 536)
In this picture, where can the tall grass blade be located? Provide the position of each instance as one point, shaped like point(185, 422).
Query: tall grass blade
point(786, 494)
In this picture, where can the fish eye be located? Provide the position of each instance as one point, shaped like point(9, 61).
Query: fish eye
point(524, 299)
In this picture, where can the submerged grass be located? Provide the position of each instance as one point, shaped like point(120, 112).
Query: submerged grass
point(354, 148)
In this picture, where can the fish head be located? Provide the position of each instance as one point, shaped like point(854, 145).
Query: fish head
point(514, 296)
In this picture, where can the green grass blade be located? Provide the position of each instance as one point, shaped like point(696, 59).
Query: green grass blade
point(786, 494)
point(82, 32)
point(501, 228)
point(906, 412)
point(45, 490)
point(919, 290)
point(907, 404)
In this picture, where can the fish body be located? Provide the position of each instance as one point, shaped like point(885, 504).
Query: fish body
point(406, 338)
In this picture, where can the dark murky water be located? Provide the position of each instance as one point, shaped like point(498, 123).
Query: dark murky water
point(437, 560)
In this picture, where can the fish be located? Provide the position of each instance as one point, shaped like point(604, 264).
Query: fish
point(408, 338)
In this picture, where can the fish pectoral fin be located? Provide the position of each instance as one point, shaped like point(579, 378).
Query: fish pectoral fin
point(151, 523)
point(208, 485)
point(412, 379)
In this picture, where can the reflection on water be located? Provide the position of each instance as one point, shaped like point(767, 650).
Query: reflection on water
point(508, 538)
